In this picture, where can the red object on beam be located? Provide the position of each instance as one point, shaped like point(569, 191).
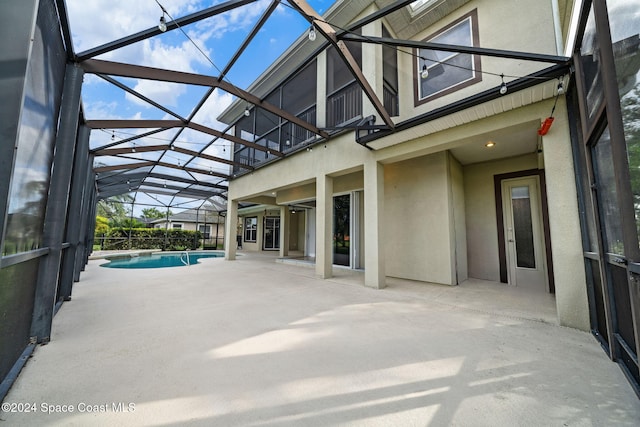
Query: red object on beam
point(545, 126)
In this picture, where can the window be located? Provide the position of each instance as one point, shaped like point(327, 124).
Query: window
point(176, 226)
point(448, 71)
point(205, 230)
point(250, 229)
point(420, 4)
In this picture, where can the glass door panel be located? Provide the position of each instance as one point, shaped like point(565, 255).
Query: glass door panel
point(341, 229)
point(271, 233)
point(625, 31)
point(607, 195)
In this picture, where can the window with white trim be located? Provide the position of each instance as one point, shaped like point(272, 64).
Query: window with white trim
point(251, 229)
point(438, 73)
point(205, 230)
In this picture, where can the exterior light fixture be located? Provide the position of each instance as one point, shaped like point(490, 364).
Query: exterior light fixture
point(425, 72)
point(312, 33)
point(247, 113)
point(560, 88)
point(490, 144)
point(162, 26)
point(113, 135)
point(503, 86)
point(133, 149)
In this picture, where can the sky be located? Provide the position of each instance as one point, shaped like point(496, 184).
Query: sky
point(95, 22)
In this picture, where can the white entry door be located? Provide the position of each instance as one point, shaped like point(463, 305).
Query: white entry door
point(526, 260)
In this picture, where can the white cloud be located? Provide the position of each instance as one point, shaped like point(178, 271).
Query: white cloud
point(97, 22)
point(212, 108)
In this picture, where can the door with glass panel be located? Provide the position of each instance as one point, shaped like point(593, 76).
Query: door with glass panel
point(342, 230)
point(271, 239)
point(524, 233)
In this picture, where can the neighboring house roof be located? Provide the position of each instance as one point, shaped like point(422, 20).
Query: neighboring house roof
point(209, 213)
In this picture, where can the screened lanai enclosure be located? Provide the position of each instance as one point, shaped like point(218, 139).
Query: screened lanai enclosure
point(99, 105)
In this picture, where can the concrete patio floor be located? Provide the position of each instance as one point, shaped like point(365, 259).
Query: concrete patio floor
point(258, 343)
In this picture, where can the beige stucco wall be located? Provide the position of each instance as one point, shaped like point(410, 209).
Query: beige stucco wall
point(417, 233)
point(508, 25)
point(480, 213)
point(459, 229)
point(564, 225)
point(439, 216)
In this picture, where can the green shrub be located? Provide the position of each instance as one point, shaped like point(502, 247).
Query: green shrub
point(152, 238)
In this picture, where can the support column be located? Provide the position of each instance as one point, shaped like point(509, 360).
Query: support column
point(324, 226)
point(564, 223)
point(284, 231)
point(86, 234)
point(374, 272)
point(73, 252)
point(231, 230)
point(91, 230)
point(57, 204)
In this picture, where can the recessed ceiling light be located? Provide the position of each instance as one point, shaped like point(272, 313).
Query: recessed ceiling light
point(490, 144)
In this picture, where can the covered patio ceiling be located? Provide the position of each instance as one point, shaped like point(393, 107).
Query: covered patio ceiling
point(183, 155)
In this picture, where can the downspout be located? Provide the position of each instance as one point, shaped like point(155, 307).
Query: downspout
point(555, 9)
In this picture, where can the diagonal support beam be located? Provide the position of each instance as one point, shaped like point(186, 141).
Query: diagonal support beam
point(194, 170)
point(133, 124)
point(212, 158)
point(330, 34)
point(232, 138)
point(141, 96)
point(95, 66)
point(123, 141)
point(537, 57)
point(128, 150)
point(122, 167)
point(156, 175)
point(172, 25)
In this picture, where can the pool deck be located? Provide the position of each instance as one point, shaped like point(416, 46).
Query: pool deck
point(255, 342)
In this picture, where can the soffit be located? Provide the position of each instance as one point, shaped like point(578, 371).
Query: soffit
point(512, 101)
point(406, 25)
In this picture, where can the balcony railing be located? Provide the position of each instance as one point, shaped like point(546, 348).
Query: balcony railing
point(390, 100)
point(344, 105)
point(295, 135)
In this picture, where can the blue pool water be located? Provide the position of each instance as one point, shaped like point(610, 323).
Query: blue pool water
point(160, 260)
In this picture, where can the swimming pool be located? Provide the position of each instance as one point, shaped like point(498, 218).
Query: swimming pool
point(160, 260)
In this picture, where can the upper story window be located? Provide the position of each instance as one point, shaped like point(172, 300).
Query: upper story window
point(419, 5)
point(447, 72)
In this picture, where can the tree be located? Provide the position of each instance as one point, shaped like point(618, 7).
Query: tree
point(115, 208)
point(102, 225)
point(149, 214)
point(630, 104)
